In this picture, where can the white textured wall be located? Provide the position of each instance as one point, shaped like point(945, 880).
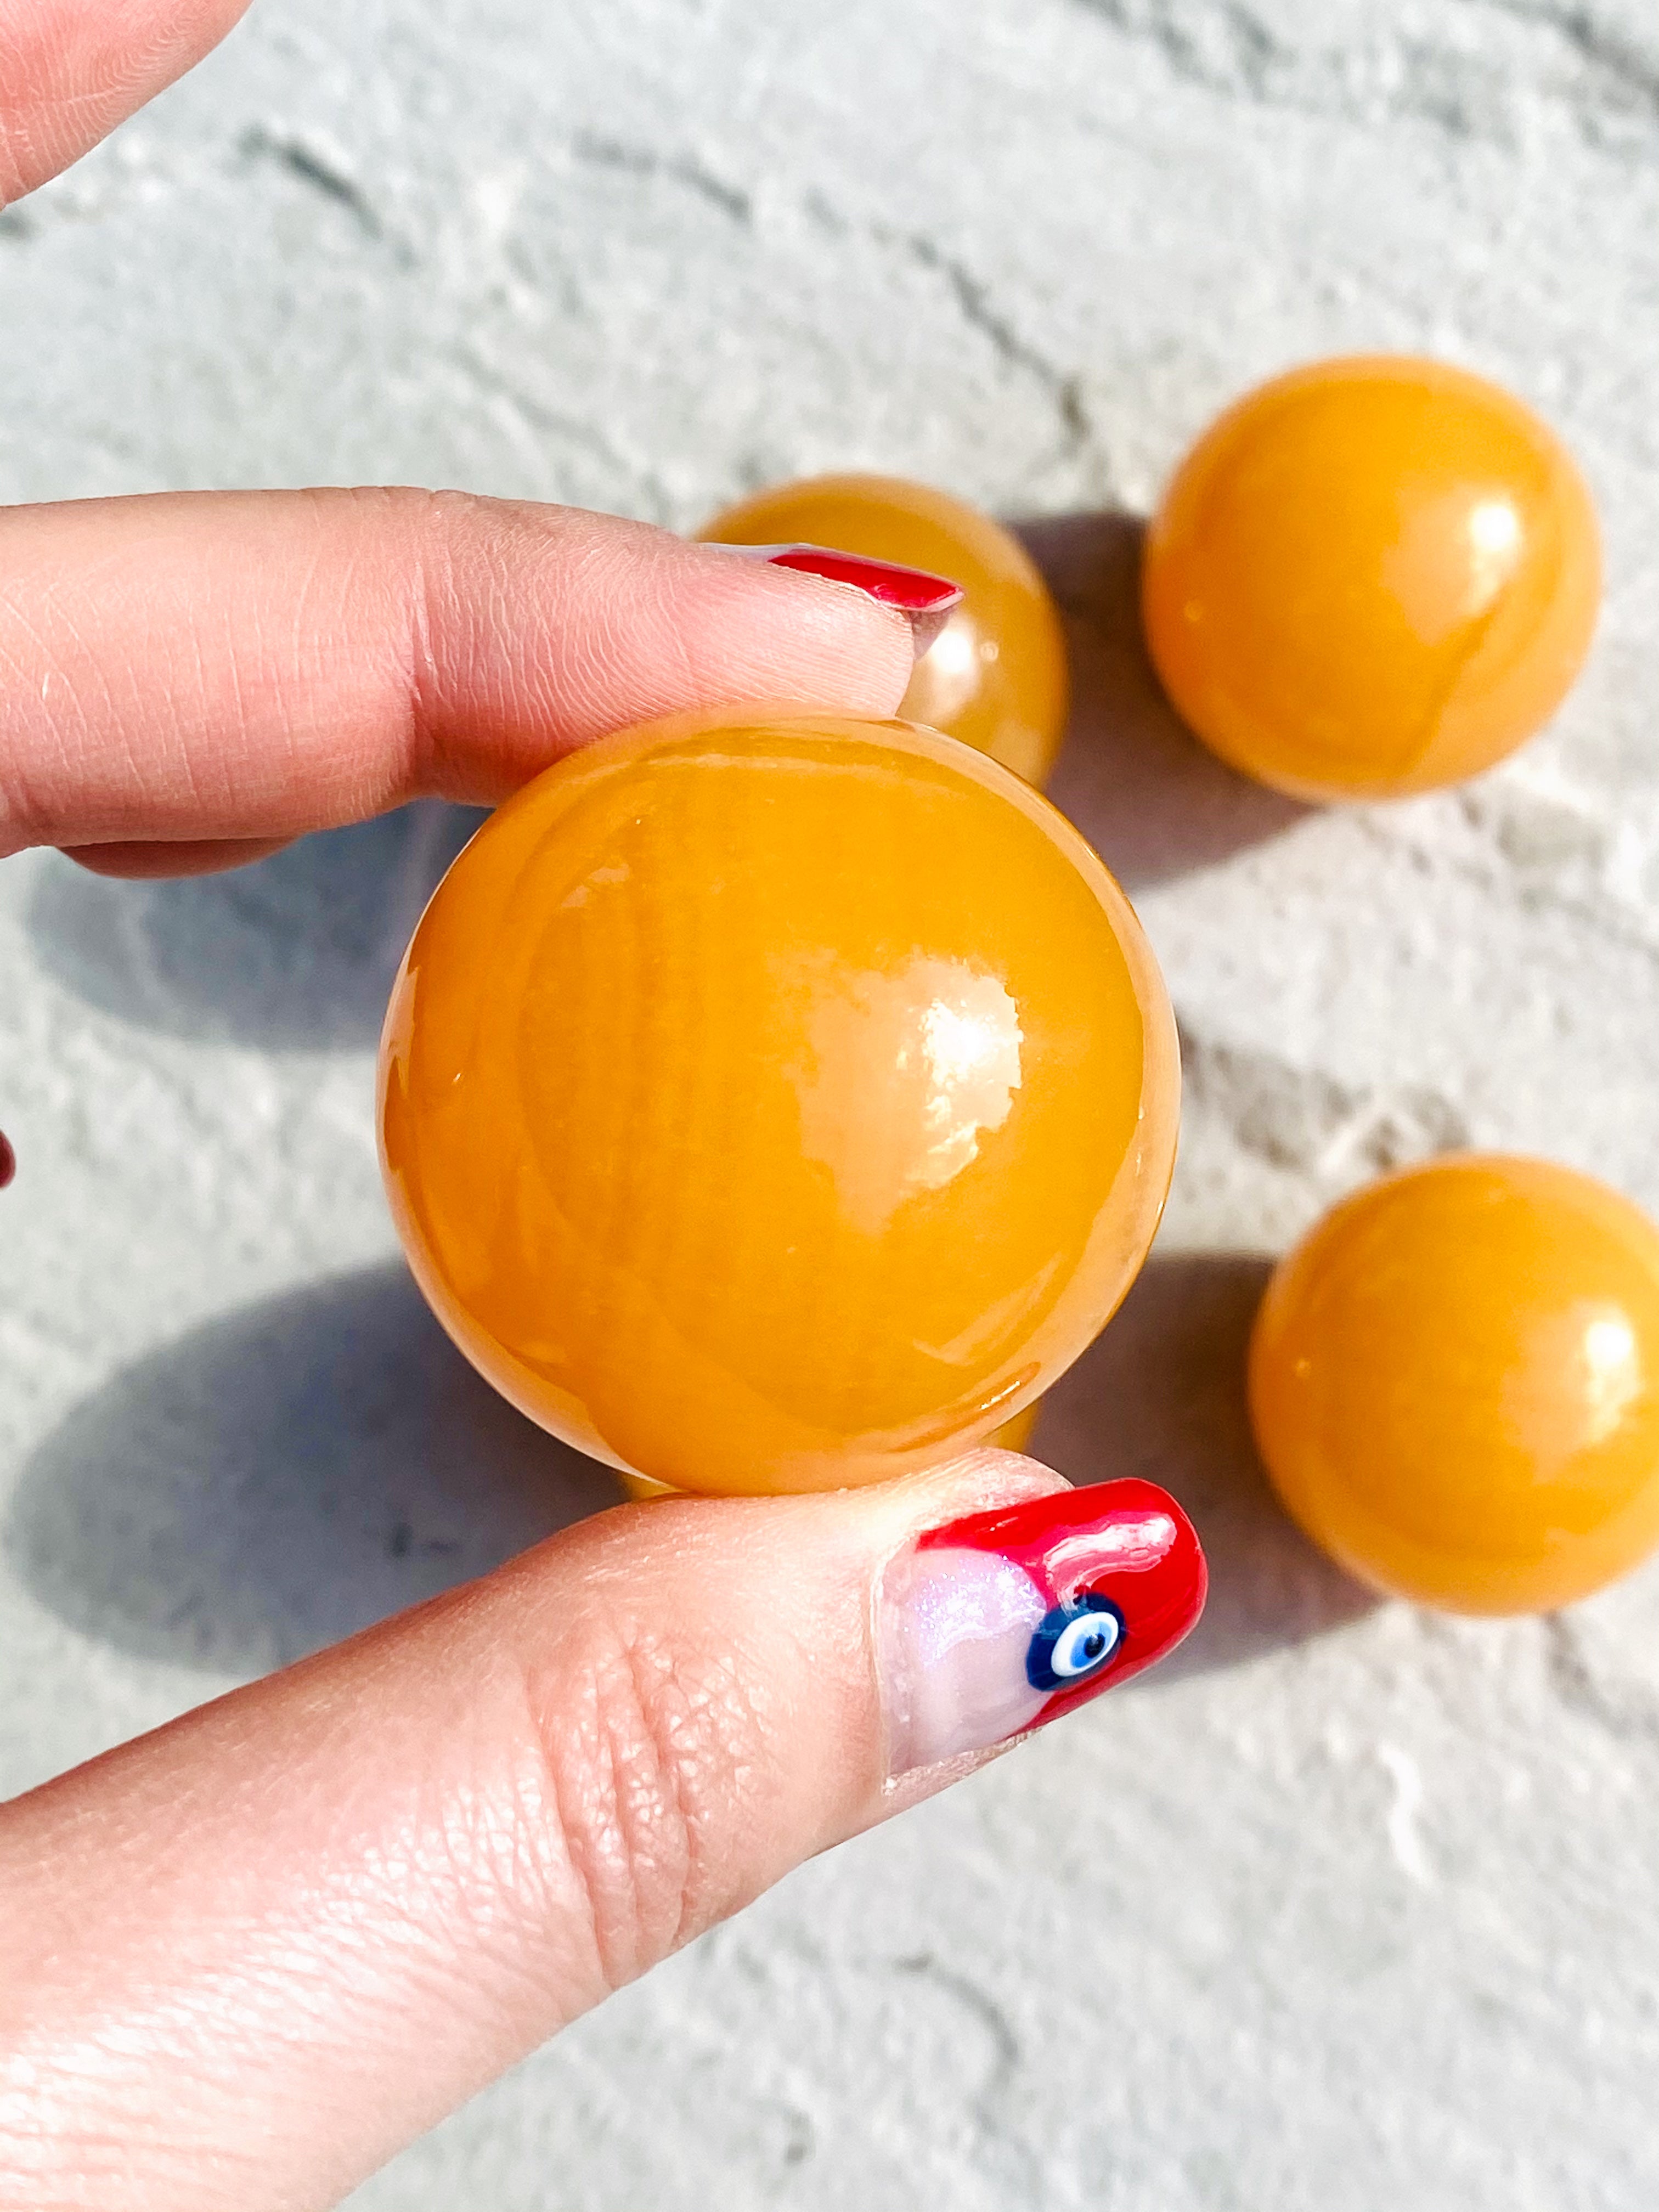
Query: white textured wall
point(1346, 1907)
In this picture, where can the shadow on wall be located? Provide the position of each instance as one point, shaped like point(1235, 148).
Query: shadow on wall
point(297, 949)
point(276, 1481)
point(1149, 798)
point(1161, 1393)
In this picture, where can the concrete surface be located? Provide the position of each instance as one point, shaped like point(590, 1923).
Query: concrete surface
point(1349, 1907)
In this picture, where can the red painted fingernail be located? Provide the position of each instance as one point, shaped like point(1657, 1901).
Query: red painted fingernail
point(1001, 1622)
point(916, 590)
point(7, 1160)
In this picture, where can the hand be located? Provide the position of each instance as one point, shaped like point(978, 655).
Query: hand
point(245, 1959)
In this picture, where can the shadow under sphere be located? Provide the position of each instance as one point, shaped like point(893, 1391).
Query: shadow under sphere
point(297, 949)
point(1153, 801)
point(1161, 1393)
point(279, 1479)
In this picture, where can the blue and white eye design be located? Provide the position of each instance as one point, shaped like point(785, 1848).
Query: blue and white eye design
point(1074, 1642)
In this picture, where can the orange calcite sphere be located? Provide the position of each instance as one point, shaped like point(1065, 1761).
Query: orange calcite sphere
point(996, 675)
point(1371, 577)
point(1455, 1384)
point(776, 1105)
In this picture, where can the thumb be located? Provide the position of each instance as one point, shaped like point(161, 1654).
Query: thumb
point(282, 1936)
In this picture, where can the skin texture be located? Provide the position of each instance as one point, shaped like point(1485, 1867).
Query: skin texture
point(182, 674)
point(816, 1188)
point(1371, 577)
point(245, 1959)
point(996, 675)
point(1453, 1384)
point(71, 70)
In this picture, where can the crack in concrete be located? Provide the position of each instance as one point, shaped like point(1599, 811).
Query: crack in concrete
point(1603, 49)
point(614, 153)
point(1221, 46)
point(1254, 47)
point(981, 2005)
point(972, 297)
point(1629, 1713)
point(992, 2103)
point(305, 160)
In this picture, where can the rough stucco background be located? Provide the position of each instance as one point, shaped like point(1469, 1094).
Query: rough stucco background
point(1346, 1906)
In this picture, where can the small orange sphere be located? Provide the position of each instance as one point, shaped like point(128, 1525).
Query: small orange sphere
point(1371, 577)
point(1455, 1384)
point(996, 675)
point(776, 1105)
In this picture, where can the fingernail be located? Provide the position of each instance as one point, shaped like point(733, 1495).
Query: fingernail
point(925, 599)
point(7, 1160)
point(1004, 1620)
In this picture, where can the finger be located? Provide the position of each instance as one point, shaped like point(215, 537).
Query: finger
point(249, 1956)
point(202, 667)
point(71, 70)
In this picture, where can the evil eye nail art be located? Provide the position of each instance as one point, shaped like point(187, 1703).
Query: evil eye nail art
point(1000, 1622)
point(1073, 1641)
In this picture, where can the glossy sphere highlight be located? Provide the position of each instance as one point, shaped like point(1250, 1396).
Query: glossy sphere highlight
point(777, 1106)
point(996, 675)
point(1455, 1384)
point(1371, 577)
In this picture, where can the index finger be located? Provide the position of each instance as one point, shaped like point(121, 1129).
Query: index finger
point(223, 666)
point(71, 70)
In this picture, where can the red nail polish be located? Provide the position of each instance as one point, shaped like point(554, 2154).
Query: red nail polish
point(7, 1160)
point(916, 590)
point(1002, 1621)
point(1126, 1541)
